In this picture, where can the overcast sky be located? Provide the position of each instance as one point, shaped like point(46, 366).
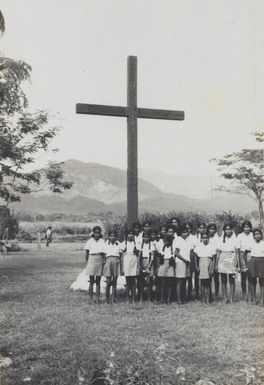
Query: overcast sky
point(205, 57)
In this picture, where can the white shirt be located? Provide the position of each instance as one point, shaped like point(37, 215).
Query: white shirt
point(95, 247)
point(214, 242)
point(196, 240)
point(257, 248)
point(147, 250)
point(159, 245)
point(129, 246)
point(230, 244)
point(244, 241)
point(205, 251)
point(138, 240)
point(185, 246)
point(167, 252)
point(112, 249)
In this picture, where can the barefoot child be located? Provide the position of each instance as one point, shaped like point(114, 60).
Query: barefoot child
point(95, 248)
point(112, 264)
point(200, 231)
point(130, 264)
point(205, 252)
point(244, 239)
point(256, 265)
point(226, 261)
point(146, 256)
point(214, 240)
point(183, 249)
point(166, 272)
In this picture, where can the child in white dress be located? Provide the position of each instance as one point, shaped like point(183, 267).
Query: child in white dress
point(130, 264)
point(226, 262)
point(183, 247)
point(256, 265)
point(146, 257)
point(112, 264)
point(95, 260)
point(205, 252)
point(244, 239)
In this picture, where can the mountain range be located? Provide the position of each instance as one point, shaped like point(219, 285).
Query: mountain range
point(99, 189)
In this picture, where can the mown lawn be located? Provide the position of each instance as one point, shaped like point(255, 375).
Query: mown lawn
point(54, 336)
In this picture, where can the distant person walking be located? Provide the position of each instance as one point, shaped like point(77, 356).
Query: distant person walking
point(48, 236)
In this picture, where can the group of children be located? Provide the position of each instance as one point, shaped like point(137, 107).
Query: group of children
point(167, 262)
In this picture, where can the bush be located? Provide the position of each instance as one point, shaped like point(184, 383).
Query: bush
point(8, 223)
point(157, 220)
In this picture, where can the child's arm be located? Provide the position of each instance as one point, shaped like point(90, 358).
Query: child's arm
point(178, 255)
point(151, 259)
point(218, 252)
point(86, 256)
point(196, 262)
point(238, 256)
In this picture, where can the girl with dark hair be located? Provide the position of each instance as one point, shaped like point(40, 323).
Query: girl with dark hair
point(146, 257)
point(244, 240)
point(256, 265)
point(112, 264)
point(146, 226)
point(95, 248)
point(166, 272)
point(130, 264)
point(214, 241)
point(183, 249)
point(226, 262)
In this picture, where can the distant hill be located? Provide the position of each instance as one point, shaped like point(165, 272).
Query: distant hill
point(98, 188)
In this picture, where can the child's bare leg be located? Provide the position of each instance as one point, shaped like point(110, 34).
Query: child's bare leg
point(178, 290)
point(244, 285)
point(127, 288)
point(170, 283)
point(224, 286)
point(114, 288)
point(141, 279)
point(133, 289)
point(217, 284)
point(207, 291)
point(162, 291)
point(107, 290)
point(157, 289)
point(261, 284)
point(203, 290)
point(189, 291)
point(250, 290)
point(98, 280)
point(253, 290)
point(91, 287)
point(150, 286)
point(232, 287)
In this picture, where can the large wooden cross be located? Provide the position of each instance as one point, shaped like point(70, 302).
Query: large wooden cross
point(131, 112)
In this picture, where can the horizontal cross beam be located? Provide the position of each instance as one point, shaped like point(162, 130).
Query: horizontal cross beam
point(144, 113)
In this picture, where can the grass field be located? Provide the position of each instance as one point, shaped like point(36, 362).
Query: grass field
point(54, 336)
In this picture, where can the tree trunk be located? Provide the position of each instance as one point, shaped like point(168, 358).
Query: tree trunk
point(261, 213)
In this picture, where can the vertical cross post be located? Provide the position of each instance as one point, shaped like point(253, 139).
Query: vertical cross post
point(132, 148)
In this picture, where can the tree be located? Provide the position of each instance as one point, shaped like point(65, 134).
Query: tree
point(22, 136)
point(244, 171)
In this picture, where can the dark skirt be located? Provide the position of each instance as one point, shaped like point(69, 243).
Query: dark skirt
point(112, 267)
point(256, 267)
